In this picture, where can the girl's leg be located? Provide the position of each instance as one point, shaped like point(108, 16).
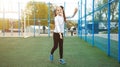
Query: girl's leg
point(61, 51)
point(56, 39)
point(61, 48)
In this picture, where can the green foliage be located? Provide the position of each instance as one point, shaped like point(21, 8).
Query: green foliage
point(35, 12)
point(0, 23)
point(114, 30)
point(71, 23)
point(101, 15)
point(38, 12)
point(4, 24)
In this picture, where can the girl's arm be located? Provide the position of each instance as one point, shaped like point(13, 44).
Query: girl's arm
point(60, 35)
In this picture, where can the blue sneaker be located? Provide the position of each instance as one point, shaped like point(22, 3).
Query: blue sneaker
point(51, 57)
point(62, 61)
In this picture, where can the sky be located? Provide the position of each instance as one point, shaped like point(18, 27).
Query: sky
point(12, 6)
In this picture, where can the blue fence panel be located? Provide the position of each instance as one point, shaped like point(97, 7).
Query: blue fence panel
point(101, 31)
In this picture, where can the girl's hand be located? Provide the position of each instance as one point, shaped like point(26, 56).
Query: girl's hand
point(60, 35)
point(75, 11)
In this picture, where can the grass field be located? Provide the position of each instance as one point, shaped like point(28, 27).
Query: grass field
point(102, 44)
point(34, 52)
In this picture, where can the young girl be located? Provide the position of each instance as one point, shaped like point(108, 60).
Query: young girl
point(59, 20)
point(58, 34)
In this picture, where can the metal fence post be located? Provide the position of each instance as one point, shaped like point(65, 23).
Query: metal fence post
point(81, 19)
point(64, 21)
point(109, 27)
point(49, 19)
point(78, 32)
point(93, 23)
point(85, 22)
point(19, 19)
point(119, 35)
point(34, 18)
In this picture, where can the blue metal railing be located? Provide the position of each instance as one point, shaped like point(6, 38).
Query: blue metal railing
point(119, 35)
point(109, 27)
point(85, 21)
point(93, 24)
point(108, 6)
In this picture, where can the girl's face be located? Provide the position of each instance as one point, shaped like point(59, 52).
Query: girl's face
point(59, 11)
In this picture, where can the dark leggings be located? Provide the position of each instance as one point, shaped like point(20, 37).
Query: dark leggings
point(57, 41)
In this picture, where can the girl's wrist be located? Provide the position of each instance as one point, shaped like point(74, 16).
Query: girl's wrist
point(59, 33)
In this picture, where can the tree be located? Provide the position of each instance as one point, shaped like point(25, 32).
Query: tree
point(103, 13)
point(114, 11)
point(98, 14)
point(37, 12)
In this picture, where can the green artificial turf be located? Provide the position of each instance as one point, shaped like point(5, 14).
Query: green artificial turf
point(34, 52)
